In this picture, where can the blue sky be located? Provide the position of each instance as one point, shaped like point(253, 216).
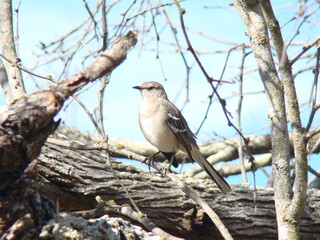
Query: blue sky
point(45, 21)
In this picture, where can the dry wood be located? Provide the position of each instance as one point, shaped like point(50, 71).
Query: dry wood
point(74, 178)
point(215, 151)
point(25, 125)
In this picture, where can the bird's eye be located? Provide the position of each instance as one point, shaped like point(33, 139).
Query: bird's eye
point(151, 87)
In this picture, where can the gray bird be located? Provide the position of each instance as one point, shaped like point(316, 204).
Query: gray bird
point(163, 125)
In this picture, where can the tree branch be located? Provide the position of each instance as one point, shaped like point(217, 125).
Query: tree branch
point(8, 49)
point(253, 17)
point(75, 177)
point(25, 125)
point(214, 151)
point(298, 133)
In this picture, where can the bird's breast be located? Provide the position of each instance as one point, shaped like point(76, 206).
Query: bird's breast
point(157, 132)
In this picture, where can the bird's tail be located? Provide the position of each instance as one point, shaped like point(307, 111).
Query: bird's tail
point(213, 174)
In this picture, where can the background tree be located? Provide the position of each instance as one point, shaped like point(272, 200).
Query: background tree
point(166, 33)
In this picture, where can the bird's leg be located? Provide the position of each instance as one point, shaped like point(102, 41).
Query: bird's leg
point(150, 159)
point(172, 159)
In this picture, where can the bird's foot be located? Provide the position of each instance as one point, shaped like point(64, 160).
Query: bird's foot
point(150, 160)
point(167, 169)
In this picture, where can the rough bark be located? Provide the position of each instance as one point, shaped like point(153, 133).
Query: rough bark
point(4, 82)
point(289, 203)
point(74, 178)
point(25, 125)
point(215, 151)
point(298, 132)
point(71, 226)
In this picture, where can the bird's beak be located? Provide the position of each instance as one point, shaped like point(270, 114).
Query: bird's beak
point(137, 87)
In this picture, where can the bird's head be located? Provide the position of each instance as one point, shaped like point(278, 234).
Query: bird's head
point(151, 89)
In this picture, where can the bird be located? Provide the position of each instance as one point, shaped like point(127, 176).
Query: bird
point(164, 126)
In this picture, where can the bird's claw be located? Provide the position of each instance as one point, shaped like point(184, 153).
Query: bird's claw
point(149, 161)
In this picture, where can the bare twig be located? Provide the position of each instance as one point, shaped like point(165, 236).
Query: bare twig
point(210, 81)
point(213, 216)
point(104, 81)
point(151, 8)
point(18, 65)
point(298, 30)
point(304, 50)
point(104, 26)
point(314, 105)
point(206, 114)
point(314, 172)
point(92, 18)
point(90, 116)
point(187, 67)
point(218, 84)
point(108, 163)
point(240, 150)
point(124, 20)
point(157, 40)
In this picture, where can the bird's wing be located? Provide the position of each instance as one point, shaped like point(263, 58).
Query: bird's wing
point(180, 128)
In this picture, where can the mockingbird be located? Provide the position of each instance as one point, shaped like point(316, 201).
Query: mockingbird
point(163, 125)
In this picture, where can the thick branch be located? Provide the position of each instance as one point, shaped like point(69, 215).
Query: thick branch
point(298, 133)
point(214, 151)
point(74, 178)
point(25, 125)
point(100, 66)
point(31, 117)
point(253, 17)
point(7, 47)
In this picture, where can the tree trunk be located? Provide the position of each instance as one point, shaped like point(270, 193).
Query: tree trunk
point(289, 202)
